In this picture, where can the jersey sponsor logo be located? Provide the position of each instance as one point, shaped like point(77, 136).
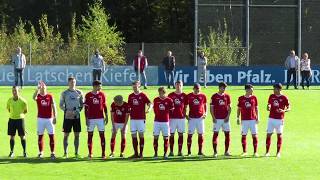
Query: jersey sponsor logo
point(247, 104)
point(177, 101)
point(44, 103)
point(95, 101)
point(135, 102)
point(118, 112)
point(196, 102)
point(162, 107)
point(221, 102)
point(276, 103)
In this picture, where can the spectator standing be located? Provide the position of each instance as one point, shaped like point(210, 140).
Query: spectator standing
point(19, 63)
point(292, 65)
point(202, 62)
point(169, 63)
point(98, 66)
point(305, 70)
point(140, 63)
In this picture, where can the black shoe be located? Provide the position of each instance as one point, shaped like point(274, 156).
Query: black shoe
point(11, 155)
point(145, 87)
point(25, 155)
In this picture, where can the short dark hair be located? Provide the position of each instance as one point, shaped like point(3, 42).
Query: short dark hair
point(277, 85)
point(162, 89)
point(118, 98)
point(222, 84)
point(179, 82)
point(248, 86)
point(71, 78)
point(15, 87)
point(136, 82)
point(96, 83)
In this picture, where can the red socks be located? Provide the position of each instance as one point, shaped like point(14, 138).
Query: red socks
point(189, 143)
point(268, 143)
point(141, 146)
point(112, 144)
point(244, 143)
point(123, 144)
point(135, 145)
point(102, 142)
point(180, 142)
point(200, 142)
point(171, 142)
point(255, 143)
point(226, 141)
point(40, 143)
point(165, 145)
point(51, 137)
point(90, 135)
point(215, 141)
point(155, 145)
point(279, 143)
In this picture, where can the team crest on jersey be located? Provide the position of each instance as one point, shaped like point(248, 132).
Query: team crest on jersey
point(135, 102)
point(247, 104)
point(44, 103)
point(221, 102)
point(118, 112)
point(276, 103)
point(95, 101)
point(177, 101)
point(162, 107)
point(196, 102)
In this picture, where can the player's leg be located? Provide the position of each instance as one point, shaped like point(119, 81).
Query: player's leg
point(156, 133)
point(181, 130)
point(172, 124)
point(270, 130)
point(134, 132)
point(123, 140)
point(77, 130)
point(254, 132)
point(141, 129)
point(191, 129)
point(67, 126)
point(244, 132)
point(279, 130)
point(90, 130)
point(200, 130)
point(11, 133)
point(21, 133)
point(101, 129)
point(226, 130)
point(113, 139)
point(165, 129)
point(216, 128)
point(51, 132)
point(40, 130)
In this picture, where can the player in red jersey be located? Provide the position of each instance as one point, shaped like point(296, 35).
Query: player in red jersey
point(220, 111)
point(137, 102)
point(95, 105)
point(120, 112)
point(162, 107)
point(197, 102)
point(177, 116)
point(278, 105)
point(248, 108)
point(47, 114)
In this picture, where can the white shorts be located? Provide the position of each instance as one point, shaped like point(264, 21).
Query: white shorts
point(45, 123)
point(177, 124)
point(196, 123)
point(137, 125)
point(221, 124)
point(119, 126)
point(162, 127)
point(276, 124)
point(95, 122)
point(249, 124)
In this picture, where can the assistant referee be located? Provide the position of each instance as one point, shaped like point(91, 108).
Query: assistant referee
point(17, 107)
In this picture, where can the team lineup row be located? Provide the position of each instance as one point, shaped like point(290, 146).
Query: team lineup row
point(170, 116)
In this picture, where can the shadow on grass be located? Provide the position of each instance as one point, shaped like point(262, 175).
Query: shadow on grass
point(175, 159)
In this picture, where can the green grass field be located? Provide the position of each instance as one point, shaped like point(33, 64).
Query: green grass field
point(300, 155)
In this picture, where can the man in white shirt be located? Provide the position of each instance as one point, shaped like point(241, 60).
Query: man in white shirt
point(292, 65)
point(19, 63)
point(98, 65)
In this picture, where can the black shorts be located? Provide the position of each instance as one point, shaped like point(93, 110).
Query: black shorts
point(15, 125)
point(69, 124)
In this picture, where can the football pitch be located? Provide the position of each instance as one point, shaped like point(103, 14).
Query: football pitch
point(300, 152)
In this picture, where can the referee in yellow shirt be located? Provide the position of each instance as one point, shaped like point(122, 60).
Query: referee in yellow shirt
point(17, 107)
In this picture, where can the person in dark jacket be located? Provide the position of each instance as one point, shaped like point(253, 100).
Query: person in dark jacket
point(169, 63)
point(140, 64)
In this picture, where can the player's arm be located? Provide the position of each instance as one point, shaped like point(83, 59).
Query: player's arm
point(212, 113)
point(25, 108)
point(205, 110)
point(112, 119)
point(229, 112)
point(81, 102)
point(258, 115)
point(54, 110)
point(35, 94)
point(105, 109)
point(62, 103)
point(8, 105)
point(238, 115)
point(150, 106)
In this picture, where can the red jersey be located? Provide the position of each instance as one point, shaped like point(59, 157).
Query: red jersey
point(137, 104)
point(248, 107)
point(197, 104)
point(95, 104)
point(162, 109)
point(120, 112)
point(44, 104)
point(277, 102)
point(220, 103)
point(180, 103)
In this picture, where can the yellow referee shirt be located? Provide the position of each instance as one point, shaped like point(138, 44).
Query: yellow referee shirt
point(17, 108)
